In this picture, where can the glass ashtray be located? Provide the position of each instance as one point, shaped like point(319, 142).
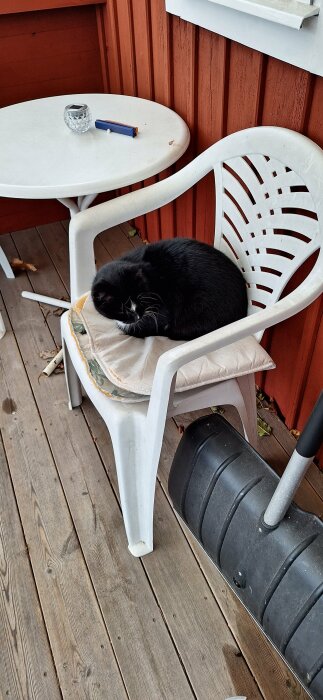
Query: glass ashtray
point(77, 117)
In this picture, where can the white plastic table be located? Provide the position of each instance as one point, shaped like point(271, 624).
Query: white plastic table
point(40, 158)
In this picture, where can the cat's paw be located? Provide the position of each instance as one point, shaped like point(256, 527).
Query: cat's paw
point(122, 326)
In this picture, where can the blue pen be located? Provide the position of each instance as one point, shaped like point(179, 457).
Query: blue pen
point(119, 128)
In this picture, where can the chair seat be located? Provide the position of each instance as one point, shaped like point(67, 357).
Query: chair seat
point(123, 367)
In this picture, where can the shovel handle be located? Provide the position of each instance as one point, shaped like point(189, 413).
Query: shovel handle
point(312, 435)
point(307, 446)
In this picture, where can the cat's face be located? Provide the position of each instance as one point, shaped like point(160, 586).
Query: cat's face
point(117, 289)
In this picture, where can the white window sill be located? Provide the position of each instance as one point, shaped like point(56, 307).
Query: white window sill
point(257, 24)
point(291, 13)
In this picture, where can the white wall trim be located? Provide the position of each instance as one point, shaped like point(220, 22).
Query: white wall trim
point(291, 13)
point(238, 20)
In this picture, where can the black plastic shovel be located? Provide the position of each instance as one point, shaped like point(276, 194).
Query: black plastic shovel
point(268, 550)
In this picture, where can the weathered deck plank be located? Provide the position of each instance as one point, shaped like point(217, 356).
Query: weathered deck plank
point(210, 676)
point(118, 246)
point(80, 645)
point(148, 662)
point(26, 664)
point(204, 642)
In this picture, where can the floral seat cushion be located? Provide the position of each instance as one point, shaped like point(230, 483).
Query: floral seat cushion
point(123, 367)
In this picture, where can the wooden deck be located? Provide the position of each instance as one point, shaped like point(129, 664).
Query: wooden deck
point(79, 616)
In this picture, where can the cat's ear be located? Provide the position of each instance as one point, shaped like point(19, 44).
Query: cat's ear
point(100, 292)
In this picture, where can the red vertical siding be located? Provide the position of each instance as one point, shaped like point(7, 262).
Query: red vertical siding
point(212, 100)
point(143, 53)
point(144, 87)
point(218, 87)
point(127, 46)
point(112, 40)
point(50, 52)
point(162, 62)
point(162, 65)
point(244, 87)
point(313, 379)
point(184, 100)
point(285, 95)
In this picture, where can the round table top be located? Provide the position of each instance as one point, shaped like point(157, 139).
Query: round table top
point(41, 158)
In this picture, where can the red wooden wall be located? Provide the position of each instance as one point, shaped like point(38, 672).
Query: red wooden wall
point(44, 53)
point(218, 86)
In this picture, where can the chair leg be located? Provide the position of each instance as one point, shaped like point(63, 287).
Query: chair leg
point(136, 471)
point(2, 327)
point(72, 381)
point(247, 408)
point(5, 264)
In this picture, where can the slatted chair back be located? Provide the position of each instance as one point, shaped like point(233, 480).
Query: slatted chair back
point(267, 221)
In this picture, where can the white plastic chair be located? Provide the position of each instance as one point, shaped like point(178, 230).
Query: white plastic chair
point(269, 214)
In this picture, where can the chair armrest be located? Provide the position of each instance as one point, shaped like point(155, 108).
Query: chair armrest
point(170, 362)
point(86, 225)
point(290, 305)
point(116, 211)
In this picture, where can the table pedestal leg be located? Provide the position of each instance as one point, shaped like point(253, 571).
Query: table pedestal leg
point(5, 264)
point(74, 208)
point(2, 327)
point(82, 203)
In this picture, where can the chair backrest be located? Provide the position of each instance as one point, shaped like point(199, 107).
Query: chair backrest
point(269, 209)
point(269, 216)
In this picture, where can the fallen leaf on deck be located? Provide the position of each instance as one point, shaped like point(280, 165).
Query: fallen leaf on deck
point(181, 429)
point(48, 354)
point(58, 311)
point(268, 404)
point(263, 428)
point(272, 406)
point(132, 232)
point(18, 264)
point(295, 433)
point(259, 397)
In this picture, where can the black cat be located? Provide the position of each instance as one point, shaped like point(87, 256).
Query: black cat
point(179, 288)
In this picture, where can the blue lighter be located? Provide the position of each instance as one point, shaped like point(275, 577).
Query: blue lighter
point(119, 128)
